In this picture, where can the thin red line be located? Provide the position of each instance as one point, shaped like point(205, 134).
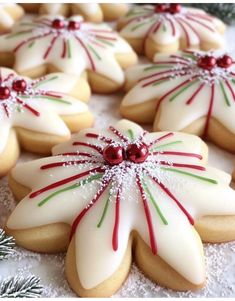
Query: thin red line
point(116, 223)
point(30, 40)
point(100, 137)
point(198, 167)
point(190, 26)
point(67, 163)
point(230, 88)
point(97, 148)
point(160, 139)
point(190, 100)
point(32, 110)
point(52, 42)
point(76, 154)
point(196, 21)
point(6, 110)
point(87, 53)
point(178, 154)
point(64, 50)
point(172, 26)
point(118, 134)
point(185, 32)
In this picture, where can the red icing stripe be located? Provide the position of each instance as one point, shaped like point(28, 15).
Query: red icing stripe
point(97, 148)
point(185, 32)
point(52, 42)
point(30, 40)
point(190, 100)
point(118, 134)
point(36, 113)
point(200, 23)
point(67, 163)
point(178, 154)
point(172, 26)
point(160, 139)
point(198, 167)
point(76, 154)
point(100, 137)
point(87, 53)
point(64, 49)
point(230, 89)
point(116, 223)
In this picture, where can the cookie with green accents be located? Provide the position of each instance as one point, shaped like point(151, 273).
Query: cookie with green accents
point(118, 194)
point(37, 114)
point(92, 12)
point(54, 43)
point(167, 28)
point(190, 91)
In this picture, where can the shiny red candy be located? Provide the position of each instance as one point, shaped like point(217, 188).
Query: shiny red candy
point(160, 8)
point(4, 92)
point(19, 85)
point(224, 61)
point(58, 24)
point(174, 8)
point(207, 62)
point(113, 154)
point(74, 25)
point(137, 153)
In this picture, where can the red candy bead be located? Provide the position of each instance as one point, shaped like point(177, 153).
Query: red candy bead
point(74, 25)
point(137, 153)
point(224, 61)
point(19, 85)
point(113, 154)
point(160, 8)
point(58, 24)
point(174, 8)
point(207, 62)
point(4, 92)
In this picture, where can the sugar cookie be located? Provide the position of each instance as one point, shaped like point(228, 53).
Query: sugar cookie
point(9, 14)
point(92, 12)
point(120, 189)
point(170, 27)
point(189, 91)
point(51, 43)
point(37, 114)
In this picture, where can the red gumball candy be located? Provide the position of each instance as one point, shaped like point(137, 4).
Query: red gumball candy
point(113, 155)
point(74, 25)
point(58, 24)
point(224, 61)
point(207, 62)
point(160, 8)
point(137, 153)
point(4, 93)
point(19, 85)
point(174, 8)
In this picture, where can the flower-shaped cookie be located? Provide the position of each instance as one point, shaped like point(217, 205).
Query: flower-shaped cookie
point(116, 190)
point(9, 14)
point(92, 12)
point(170, 27)
point(37, 114)
point(192, 92)
point(51, 43)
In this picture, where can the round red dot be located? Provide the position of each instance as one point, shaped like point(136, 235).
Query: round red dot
point(113, 154)
point(160, 8)
point(174, 8)
point(58, 24)
point(137, 153)
point(207, 62)
point(74, 25)
point(224, 61)
point(4, 92)
point(19, 85)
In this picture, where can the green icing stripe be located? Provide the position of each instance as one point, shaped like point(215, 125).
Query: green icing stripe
point(105, 42)
point(141, 24)
point(233, 81)
point(104, 211)
point(188, 55)
point(20, 33)
point(225, 94)
point(160, 82)
point(148, 192)
point(48, 98)
point(212, 181)
point(183, 90)
point(74, 186)
point(69, 49)
point(131, 134)
point(157, 67)
point(94, 52)
point(31, 44)
point(167, 144)
point(45, 81)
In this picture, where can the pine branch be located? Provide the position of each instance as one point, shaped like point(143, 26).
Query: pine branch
point(7, 244)
point(19, 287)
point(224, 11)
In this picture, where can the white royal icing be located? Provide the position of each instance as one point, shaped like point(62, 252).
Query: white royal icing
point(182, 67)
point(91, 47)
point(31, 109)
point(178, 167)
point(192, 25)
point(6, 19)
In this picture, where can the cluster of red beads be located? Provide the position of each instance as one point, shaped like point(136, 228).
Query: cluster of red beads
point(136, 153)
point(60, 24)
point(168, 8)
point(209, 62)
point(19, 85)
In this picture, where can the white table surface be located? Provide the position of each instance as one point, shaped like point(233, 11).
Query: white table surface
point(220, 259)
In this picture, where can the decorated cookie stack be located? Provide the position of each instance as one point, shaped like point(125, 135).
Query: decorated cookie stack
point(119, 194)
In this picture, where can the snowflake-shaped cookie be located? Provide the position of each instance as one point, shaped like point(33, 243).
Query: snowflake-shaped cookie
point(9, 14)
point(116, 187)
point(71, 46)
point(38, 113)
point(92, 12)
point(188, 91)
point(170, 27)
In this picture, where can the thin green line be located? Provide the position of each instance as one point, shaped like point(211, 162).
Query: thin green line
point(45, 81)
point(225, 94)
point(190, 174)
point(17, 34)
point(69, 49)
point(95, 53)
point(49, 98)
point(131, 134)
point(74, 186)
point(146, 189)
point(104, 211)
point(105, 42)
point(160, 82)
point(167, 144)
point(140, 25)
point(188, 55)
point(157, 67)
point(164, 27)
point(31, 44)
point(183, 89)
point(233, 80)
